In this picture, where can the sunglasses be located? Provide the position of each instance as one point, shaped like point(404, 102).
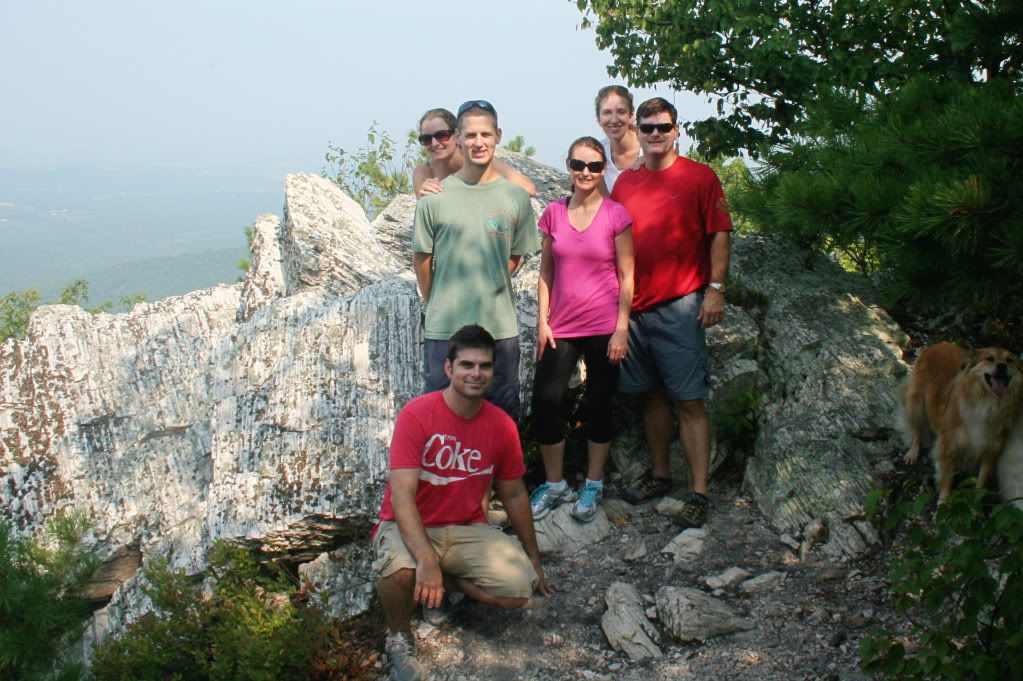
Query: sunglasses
point(593, 166)
point(441, 136)
point(663, 128)
point(477, 104)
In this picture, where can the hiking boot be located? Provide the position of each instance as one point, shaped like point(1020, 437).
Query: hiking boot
point(449, 605)
point(647, 487)
point(693, 513)
point(401, 655)
point(545, 498)
point(585, 509)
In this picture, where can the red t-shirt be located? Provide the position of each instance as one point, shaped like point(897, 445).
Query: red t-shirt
point(457, 458)
point(674, 211)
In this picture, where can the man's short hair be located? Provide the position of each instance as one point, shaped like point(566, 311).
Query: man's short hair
point(471, 337)
point(655, 106)
point(475, 107)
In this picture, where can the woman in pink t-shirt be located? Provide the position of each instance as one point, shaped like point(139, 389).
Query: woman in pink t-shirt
point(584, 294)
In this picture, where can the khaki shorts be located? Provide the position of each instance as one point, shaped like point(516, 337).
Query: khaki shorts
point(485, 556)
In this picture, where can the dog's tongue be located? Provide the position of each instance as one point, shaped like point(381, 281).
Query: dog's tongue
point(998, 385)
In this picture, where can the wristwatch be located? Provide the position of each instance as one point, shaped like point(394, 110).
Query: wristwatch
point(718, 286)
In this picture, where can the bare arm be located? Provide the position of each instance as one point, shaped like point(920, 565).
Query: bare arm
point(422, 264)
point(516, 503)
point(624, 264)
point(513, 263)
point(544, 335)
point(424, 182)
point(713, 308)
point(509, 173)
point(429, 580)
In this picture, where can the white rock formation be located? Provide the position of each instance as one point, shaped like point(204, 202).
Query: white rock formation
point(626, 626)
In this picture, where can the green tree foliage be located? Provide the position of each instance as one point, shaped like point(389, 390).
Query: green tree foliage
point(253, 626)
point(17, 306)
point(735, 179)
point(518, 143)
point(921, 184)
point(41, 610)
point(763, 61)
point(377, 172)
point(244, 263)
point(960, 580)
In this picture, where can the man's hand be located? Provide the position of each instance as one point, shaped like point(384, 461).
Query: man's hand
point(431, 185)
point(713, 308)
point(542, 587)
point(429, 584)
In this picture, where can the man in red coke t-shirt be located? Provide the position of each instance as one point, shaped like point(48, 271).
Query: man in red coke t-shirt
point(447, 448)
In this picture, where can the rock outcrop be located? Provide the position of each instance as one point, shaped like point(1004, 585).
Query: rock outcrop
point(261, 413)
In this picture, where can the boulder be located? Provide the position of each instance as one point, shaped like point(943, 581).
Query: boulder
point(692, 615)
point(559, 532)
point(626, 626)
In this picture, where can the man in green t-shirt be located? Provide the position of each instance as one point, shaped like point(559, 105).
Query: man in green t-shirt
point(467, 242)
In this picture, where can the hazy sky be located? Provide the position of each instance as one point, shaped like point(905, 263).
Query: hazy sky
point(227, 83)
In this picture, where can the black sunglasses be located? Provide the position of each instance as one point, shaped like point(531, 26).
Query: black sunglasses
point(477, 104)
point(441, 136)
point(663, 128)
point(593, 166)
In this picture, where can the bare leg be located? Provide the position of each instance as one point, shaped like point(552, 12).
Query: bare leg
point(554, 461)
point(395, 592)
point(597, 456)
point(657, 421)
point(694, 432)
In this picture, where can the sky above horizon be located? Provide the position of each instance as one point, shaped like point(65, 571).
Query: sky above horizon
point(230, 83)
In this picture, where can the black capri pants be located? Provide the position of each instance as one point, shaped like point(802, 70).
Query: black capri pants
point(553, 372)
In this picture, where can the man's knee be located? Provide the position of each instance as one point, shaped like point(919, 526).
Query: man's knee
point(401, 578)
point(691, 409)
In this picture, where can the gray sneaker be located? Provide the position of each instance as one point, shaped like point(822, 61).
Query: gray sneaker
point(401, 654)
point(585, 509)
point(544, 499)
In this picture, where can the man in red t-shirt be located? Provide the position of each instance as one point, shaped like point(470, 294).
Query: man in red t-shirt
point(447, 448)
point(680, 230)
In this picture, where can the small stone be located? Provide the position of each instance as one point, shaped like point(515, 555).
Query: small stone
point(553, 639)
point(687, 546)
point(670, 507)
point(651, 612)
point(764, 582)
point(838, 638)
point(636, 552)
point(614, 666)
point(789, 541)
point(727, 579)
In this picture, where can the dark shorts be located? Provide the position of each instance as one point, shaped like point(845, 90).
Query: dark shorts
point(667, 349)
point(504, 391)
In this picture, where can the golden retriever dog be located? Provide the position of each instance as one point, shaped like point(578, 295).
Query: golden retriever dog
point(968, 401)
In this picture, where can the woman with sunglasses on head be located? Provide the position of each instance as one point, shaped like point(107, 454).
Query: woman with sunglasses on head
point(437, 135)
point(621, 146)
point(584, 296)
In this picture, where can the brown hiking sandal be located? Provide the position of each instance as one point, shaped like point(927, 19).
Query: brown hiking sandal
point(647, 487)
point(693, 513)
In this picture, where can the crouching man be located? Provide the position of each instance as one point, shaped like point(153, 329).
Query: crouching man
point(433, 538)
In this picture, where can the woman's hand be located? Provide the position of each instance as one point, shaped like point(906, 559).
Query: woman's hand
point(544, 337)
point(431, 185)
point(617, 346)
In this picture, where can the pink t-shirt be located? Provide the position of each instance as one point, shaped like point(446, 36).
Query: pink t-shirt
point(457, 458)
point(584, 293)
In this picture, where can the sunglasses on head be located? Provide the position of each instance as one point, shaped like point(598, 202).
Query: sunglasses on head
point(477, 104)
point(441, 136)
point(593, 166)
point(663, 128)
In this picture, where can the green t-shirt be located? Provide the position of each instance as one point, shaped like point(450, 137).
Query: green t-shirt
point(472, 230)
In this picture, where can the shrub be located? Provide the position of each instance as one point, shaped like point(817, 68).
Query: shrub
point(253, 626)
point(41, 610)
point(960, 580)
point(377, 172)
